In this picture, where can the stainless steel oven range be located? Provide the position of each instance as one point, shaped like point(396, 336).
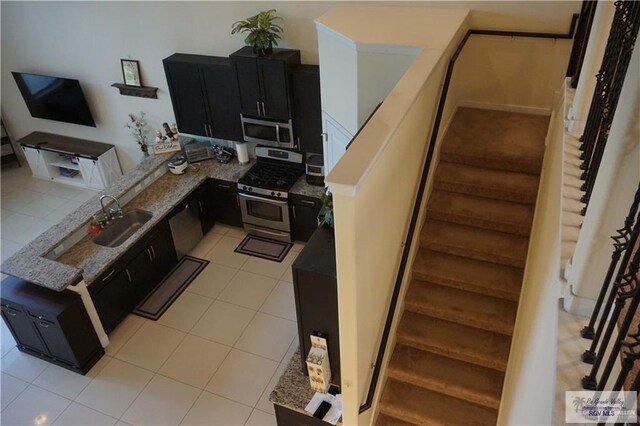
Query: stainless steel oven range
point(263, 192)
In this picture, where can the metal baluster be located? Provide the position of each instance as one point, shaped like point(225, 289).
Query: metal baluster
point(626, 288)
point(631, 280)
point(625, 26)
point(580, 41)
point(620, 244)
point(589, 356)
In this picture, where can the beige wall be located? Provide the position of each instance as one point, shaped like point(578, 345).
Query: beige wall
point(85, 40)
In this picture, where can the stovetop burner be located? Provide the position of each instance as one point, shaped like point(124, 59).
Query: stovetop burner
point(270, 176)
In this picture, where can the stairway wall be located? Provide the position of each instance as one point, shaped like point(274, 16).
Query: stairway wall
point(528, 392)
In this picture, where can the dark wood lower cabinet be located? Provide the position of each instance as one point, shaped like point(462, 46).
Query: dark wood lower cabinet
point(225, 204)
point(304, 213)
point(119, 290)
point(51, 325)
point(315, 287)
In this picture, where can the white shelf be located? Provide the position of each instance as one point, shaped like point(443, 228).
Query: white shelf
point(76, 180)
point(65, 163)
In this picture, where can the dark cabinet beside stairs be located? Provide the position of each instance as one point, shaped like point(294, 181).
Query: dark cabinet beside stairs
point(119, 290)
point(50, 325)
point(316, 296)
point(204, 94)
point(264, 82)
point(304, 213)
point(307, 108)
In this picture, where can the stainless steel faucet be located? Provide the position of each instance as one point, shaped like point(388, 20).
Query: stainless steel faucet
point(111, 213)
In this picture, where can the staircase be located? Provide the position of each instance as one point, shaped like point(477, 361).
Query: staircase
point(454, 337)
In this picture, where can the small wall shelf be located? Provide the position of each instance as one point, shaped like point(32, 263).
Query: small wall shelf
point(141, 92)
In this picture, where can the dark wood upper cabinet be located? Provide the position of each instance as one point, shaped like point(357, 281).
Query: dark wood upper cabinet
point(264, 82)
point(307, 108)
point(205, 96)
point(187, 96)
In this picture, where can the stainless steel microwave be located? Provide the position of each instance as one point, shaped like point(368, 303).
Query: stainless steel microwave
point(267, 132)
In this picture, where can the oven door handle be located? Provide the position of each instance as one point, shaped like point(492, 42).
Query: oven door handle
point(266, 200)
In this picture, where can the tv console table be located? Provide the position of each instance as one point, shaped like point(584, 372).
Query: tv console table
point(72, 161)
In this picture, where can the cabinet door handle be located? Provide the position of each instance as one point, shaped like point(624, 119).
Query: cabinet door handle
point(298, 141)
point(206, 132)
point(258, 105)
point(44, 325)
point(13, 314)
point(264, 111)
point(308, 202)
point(128, 275)
point(224, 186)
point(153, 253)
point(325, 136)
point(200, 206)
point(294, 211)
point(210, 130)
point(109, 276)
point(149, 254)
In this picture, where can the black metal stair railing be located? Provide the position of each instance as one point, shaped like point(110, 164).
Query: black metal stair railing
point(609, 82)
point(621, 242)
point(579, 49)
point(625, 289)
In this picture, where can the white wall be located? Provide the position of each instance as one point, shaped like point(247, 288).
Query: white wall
point(86, 40)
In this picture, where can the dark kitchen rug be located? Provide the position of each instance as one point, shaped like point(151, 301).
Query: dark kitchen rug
point(264, 248)
point(163, 296)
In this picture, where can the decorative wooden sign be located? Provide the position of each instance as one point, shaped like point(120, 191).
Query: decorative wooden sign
point(162, 147)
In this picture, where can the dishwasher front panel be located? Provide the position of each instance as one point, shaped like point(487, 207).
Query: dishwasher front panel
point(186, 228)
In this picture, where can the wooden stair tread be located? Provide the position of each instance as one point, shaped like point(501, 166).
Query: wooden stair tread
point(453, 340)
point(413, 404)
point(384, 420)
point(476, 243)
point(472, 309)
point(495, 184)
point(498, 215)
point(468, 274)
point(482, 386)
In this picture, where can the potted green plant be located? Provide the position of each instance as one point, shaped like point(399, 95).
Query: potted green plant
point(263, 32)
point(325, 216)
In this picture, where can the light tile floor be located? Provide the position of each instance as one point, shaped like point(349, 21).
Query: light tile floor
point(212, 359)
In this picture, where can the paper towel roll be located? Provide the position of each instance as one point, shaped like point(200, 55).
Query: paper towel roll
point(242, 151)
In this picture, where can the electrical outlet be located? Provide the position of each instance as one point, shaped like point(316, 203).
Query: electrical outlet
point(58, 249)
point(138, 188)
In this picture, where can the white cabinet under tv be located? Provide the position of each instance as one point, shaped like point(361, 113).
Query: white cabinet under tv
point(71, 161)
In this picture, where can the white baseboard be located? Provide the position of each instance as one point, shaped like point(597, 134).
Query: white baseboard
point(578, 305)
point(501, 107)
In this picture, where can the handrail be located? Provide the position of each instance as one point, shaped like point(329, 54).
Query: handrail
point(423, 182)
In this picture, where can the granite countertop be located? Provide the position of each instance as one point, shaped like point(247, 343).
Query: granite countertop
point(293, 390)
point(86, 260)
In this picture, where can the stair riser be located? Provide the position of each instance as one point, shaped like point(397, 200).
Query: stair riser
point(493, 193)
point(465, 357)
point(446, 389)
point(486, 256)
point(403, 416)
point(510, 228)
point(505, 329)
point(461, 285)
point(491, 163)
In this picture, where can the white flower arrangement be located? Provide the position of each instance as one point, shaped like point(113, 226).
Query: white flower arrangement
point(139, 130)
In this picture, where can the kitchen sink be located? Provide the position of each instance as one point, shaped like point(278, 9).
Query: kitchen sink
point(119, 231)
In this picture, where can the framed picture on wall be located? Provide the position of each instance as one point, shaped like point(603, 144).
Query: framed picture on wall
point(131, 72)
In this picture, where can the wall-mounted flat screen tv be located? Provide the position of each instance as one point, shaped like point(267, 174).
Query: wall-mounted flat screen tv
point(54, 98)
